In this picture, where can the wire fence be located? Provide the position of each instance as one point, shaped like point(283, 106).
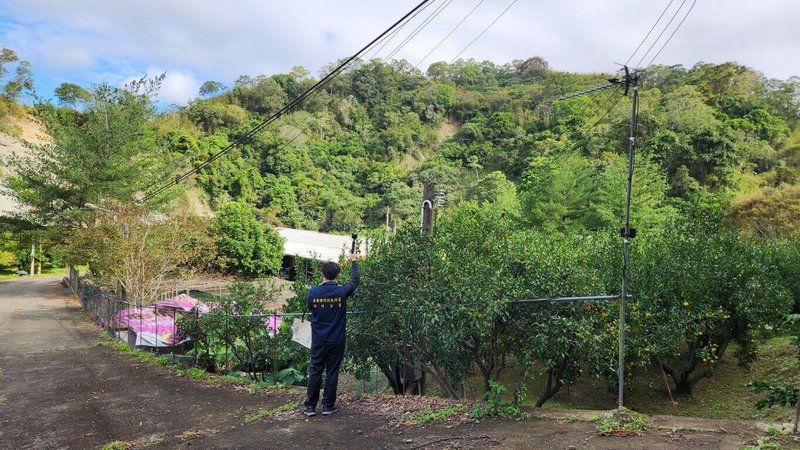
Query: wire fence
point(173, 331)
point(148, 327)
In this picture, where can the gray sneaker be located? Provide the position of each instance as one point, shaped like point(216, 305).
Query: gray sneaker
point(310, 412)
point(328, 410)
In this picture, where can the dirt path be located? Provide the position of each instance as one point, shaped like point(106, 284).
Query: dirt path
point(60, 389)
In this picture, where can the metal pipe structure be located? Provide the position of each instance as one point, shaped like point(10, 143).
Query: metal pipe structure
point(567, 299)
point(626, 233)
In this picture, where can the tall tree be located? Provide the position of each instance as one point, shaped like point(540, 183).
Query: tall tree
point(106, 152)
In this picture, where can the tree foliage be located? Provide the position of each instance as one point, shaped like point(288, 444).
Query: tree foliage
point(247, 245)
point(106, 152)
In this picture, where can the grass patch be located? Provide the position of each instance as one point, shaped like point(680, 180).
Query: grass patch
point(194, 434)
point(262, 413)
point(763, 443)
point(622, 422)
point(10, 274)
point(574, 418)
point(437, 415)
point(118, 445)
point(196, 374)
point(122, 347)
point(775, 431)
point(2, 400)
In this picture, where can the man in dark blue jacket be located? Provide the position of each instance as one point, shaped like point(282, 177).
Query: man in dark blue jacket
point(328, 305)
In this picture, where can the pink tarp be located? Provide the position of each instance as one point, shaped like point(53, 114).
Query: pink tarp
point(155, 326)
point(183, 303)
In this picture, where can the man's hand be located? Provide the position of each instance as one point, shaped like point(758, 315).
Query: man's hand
point(353, 257)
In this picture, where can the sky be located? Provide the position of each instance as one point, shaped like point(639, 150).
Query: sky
point(93, 41)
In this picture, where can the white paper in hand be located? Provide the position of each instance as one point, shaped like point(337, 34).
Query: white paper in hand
point(301, 332)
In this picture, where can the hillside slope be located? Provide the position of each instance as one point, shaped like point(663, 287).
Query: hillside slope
point(31, 131)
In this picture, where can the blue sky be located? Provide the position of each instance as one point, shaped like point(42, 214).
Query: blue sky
point(93, 41)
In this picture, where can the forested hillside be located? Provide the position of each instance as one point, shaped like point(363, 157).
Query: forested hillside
point(710, 134)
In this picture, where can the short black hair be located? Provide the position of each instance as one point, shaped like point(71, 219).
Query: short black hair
point(330, 270)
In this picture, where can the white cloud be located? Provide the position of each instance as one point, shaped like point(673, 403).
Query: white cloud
point(177, 87)
point(205, 39)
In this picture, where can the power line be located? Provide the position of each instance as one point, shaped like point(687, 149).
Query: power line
point(609, 109)
point(308, 92)
point(648, 33)
point(484, 31)
point(419, 28)
point(661, 34)
point(450, 33)
point(673, 33)
point(385, 41)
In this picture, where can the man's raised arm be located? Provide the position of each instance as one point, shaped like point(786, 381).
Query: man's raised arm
point(355, 277)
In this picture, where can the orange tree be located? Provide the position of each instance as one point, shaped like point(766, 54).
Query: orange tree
point(698, 290)
point(564, 340)
point(443, 304)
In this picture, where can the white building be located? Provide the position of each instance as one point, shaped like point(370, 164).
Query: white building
point(316, 246)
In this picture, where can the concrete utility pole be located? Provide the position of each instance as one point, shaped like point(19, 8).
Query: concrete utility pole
point(426, 221)
point(33, 257)
point(426, 226)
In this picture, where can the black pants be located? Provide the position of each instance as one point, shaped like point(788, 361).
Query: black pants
point(326, 357)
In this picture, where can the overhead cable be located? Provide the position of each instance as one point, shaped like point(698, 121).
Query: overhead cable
point(308, 92)
point(673, 33)
point(639, 64)
point(649, 32)
point(450, 33)
point(388, 38)
point(484, 31)
point(417, 30)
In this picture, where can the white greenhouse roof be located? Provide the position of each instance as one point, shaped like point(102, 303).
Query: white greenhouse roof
point(315, 245)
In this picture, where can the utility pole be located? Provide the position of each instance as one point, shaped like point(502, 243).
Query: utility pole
point(426, 226)
point(628, 233)
point(426, 219)
point(33, 256)
point(387, 222)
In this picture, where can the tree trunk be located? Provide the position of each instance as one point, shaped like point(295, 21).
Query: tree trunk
point(797, 415)
point(683, 387)
point(390, 372)
point(554, 384)
point(684, 381)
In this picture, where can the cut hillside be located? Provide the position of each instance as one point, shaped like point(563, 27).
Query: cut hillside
point(30, 130)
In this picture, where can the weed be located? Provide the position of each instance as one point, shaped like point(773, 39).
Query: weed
point(194, 434)
point(621, 422)
point(2, 400)
point(122, 347)
point(162, 360)
point(262, 413)
point(118, 445)
point(763, 444)
point(429, 415)
point(775, 431)
point(574, 418)
point(196, 374)
point(491, 404)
